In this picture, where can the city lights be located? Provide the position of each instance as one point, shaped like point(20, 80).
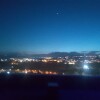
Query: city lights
point(49, 65)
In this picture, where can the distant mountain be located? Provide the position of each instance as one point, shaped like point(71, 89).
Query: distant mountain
point(93, 53)
point(64, 54)
point(58, 54)
point(52, 54)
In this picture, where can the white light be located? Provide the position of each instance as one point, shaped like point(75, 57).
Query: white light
point(85, 67)
point(20, 60)
point(8, 72)
point(65, 63)
point(25, 72)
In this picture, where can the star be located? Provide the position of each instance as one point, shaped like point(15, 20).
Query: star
point(57, 13)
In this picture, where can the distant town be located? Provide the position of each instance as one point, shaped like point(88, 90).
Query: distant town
point(57, 63)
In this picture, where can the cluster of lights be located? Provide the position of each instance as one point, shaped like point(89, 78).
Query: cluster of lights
point(49, 72)
point(22, 60)
point(16, 61)
point(3, 60)
point(26, 71)
point(51, 60)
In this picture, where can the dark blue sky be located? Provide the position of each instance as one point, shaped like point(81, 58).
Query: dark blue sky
point(43, 26)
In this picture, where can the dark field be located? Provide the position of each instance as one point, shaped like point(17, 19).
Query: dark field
point(44, 87)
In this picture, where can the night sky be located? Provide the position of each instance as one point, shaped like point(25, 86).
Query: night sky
point(44, 26)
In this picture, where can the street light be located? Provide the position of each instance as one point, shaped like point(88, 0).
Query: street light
point(8, 72)
point(86, 67)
